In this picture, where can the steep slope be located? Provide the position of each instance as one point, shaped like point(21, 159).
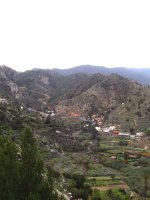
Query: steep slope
point(82, 84)
point(8, 86)
point(37, 89)
point(134, 113)
point(117, 99)
point(101, 95)
point(40, 85)
point(48, 87)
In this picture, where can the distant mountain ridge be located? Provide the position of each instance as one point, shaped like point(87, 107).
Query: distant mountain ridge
point(141, 75)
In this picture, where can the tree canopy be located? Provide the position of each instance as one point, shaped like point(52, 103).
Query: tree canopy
point(25, 178)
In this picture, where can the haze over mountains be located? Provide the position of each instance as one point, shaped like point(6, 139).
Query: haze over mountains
point(142, 75)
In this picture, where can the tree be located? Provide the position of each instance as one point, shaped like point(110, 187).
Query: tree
point(36, 184)
point(47, 191)
point(96, 195)
point(9, 169)
point(24, 179)
point(112, 176)
point(125, 144)
point(80, 180)
point(139, 181)
point(31, 165)
point(86, 163)
point(147, 131)
point(112, 195)
point(132, 131)
point(81, 189)
point(145, 174)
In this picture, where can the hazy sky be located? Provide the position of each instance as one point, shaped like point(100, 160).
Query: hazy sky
point(67, 33)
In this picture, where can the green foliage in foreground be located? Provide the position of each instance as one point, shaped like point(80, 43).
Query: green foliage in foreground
point(25, 178)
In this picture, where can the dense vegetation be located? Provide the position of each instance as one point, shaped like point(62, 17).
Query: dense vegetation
point(22, 173)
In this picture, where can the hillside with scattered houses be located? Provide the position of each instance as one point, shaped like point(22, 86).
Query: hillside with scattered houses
point(91, 131)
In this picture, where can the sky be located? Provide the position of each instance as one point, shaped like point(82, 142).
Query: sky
point(67, 33)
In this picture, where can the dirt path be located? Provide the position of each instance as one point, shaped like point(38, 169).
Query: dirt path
point(104, 188)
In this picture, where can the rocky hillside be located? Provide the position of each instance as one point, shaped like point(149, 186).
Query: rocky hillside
point(44, 88)
point(8, 87)
point(115, 98)
point(99, 94)
point(135, 112)
point(37, 88)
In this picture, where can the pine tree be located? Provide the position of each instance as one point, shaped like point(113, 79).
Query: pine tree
point(47, 191)
point(24, 179)
point(36, 184)
point(31, 167)
point(9, 169)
